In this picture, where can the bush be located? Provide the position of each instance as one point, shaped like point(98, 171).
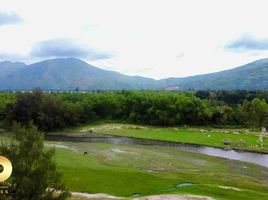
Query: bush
point(227, 141)
point(240, 143)
point(34, 172)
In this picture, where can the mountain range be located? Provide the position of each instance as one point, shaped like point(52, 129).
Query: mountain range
point(72, 73)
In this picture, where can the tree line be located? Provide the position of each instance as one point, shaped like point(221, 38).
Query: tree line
point(232, 97)
point(58, 110)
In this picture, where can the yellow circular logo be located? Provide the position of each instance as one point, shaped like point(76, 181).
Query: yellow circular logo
point(7, 168)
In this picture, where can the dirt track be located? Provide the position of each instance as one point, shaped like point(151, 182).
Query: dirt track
point(153, 197)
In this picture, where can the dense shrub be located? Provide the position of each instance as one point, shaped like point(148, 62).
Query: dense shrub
point(58, 110)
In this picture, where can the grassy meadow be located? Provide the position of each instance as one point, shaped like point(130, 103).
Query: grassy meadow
point(239, 139)
point(129, 171)
point(135, 170)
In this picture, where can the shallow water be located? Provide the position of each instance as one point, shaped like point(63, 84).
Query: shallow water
point(256, 158)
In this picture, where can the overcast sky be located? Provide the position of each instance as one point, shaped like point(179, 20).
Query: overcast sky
point(152, 38)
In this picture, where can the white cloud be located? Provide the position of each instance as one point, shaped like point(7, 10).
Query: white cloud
point(67, 48)
point(155, 38)
point(7, 18)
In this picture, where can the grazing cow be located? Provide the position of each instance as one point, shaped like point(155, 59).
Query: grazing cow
point(85, 153)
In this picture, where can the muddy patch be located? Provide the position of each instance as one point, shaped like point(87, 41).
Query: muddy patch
point(120, 151)
point(60, 146)
point(111, 127)
point(184, 185)
point(229, 188)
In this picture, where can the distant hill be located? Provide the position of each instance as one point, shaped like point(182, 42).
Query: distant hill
point(69, 74)
point(72, 73)
point(252, 76)
point(8, 67)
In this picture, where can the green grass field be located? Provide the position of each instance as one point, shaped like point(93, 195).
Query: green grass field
point(213, 138)
point(126, 170)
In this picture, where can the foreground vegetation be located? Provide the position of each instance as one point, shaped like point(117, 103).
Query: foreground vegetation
point(127, 170)
point(34, 174)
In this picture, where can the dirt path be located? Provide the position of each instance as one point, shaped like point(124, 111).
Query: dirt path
point(153, 197)
point(94, 196)
point(174, 197)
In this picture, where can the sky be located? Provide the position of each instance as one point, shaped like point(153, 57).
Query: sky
point(151, 38)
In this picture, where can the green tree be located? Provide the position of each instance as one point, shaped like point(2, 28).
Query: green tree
point(34, 173)
point(51, 113)
point(253, 113)
point(26, 108)
point(259, 111)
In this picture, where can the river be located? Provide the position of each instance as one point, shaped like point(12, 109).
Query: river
point(256, 158)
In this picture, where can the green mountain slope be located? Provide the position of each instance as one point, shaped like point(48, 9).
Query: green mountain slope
point(251, 76)
point(8, 67)
point(71, 73)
